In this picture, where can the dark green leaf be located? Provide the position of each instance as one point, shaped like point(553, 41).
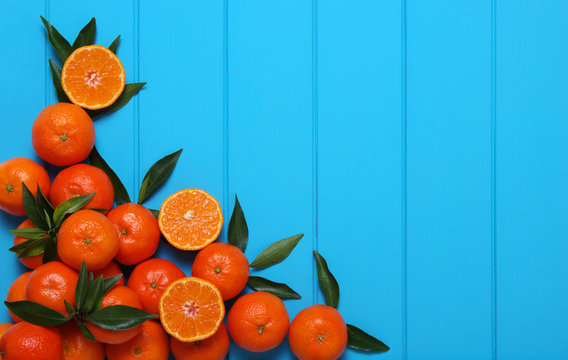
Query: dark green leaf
point(21, 247)
point(70, 309)
point(360, 340)
point(238, 230)
point(34, 247)
point(85, 331)
point(56, 76)
point(129, 91)
point(70, 206)
point(43, 204)
point(82, 286)
point(36, 313)
point(93, 295)
point(156, 213)
point(61, 46)
point(157, 174)
point(50, 252)
point(328, 284)
point(102, 211)
point(86, 35)
point(281, 290)
point(114, 45)
point(108, 283)
point(120, 192)
point(29, 233)
point(119, 317)
point(276, 252)
point(31, 208)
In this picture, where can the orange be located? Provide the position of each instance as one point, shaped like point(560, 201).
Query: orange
point(87, 236)
point(63, 134)
point(93, 77)
point(25, 341)
point(12, 173)
point(215, 347)
point(31, 262)
point(151, 343)
point(17, 292)
point(52, 283)
point(118, 295)
point(190, 219)
point(138, 232)
point(225, 266)
point(318, 333)
point(83, 179)
point(149, 280)
point(77, 347)
point(191, 309)
point(258, 321)
point(3, 328)
point(111, 270)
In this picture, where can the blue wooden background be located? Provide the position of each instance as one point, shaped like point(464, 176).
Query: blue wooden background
point(420, 146)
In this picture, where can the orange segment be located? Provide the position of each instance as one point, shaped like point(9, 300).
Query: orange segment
point(93, 77)
point(190, 219)
point(191, 309)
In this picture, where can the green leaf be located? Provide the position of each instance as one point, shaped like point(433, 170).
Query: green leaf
point(50, 251)
point(82, 286)
point(93, 295)
point(70, 309)
point(114, 45)
point(129, 91)
point(21, 247)
point(276, 252)
point(108, 283)
point(238, 230)
point(29, 233)
point(56, 76)
point(360, 340)
point(157, 174)
point(31, 208)
point(61, 46)
point(43, 204)
point(120, 192)
point(102, 211)
point(328, 284)
point(119, 317)
point(86, 35)
point(85, 331)
point(156, 213)
point(34, 247)
point(281, 290)
point(36, 313)
point(70, 206)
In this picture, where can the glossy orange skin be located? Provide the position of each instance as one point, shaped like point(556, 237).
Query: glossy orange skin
point(17, 292)
point(138, 232)
point(83, 179)
point(25, 341)
point(258, 321)
point(87, 236)
point(214, 348)
point(111, 270)
point(318, 333)
point(12, 173)
point(151, 343)
point(225, 266)
point(63, 134)
point(119, 295)
point(77, 347)
point(52, 283)
point(149, 280)
point(31, 262)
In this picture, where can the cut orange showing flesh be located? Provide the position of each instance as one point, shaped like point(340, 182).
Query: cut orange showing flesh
point(190, 219)
point(93, 77)
point(191, 309)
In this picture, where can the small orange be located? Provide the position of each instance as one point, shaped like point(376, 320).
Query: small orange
point(83, 179)
point(190, 219)
point(225, 266)
point(87, 236)
point(318, 333)
point(12, 173)
point(17, 292)
point(63, 134)
point(30, 262)
point(138, 232)
point(111, 270)
point(258, 321)
point(149, 280)
point(77, 347)
point(215, 347)
point(52, 283)
point(93, 77)
point(191, 309)
point(151, 343)
point(25, 341)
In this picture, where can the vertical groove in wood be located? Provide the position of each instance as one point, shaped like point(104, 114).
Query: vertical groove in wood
point(493, 182)
point(315, 244)
point(136, 99)
point(404, 183)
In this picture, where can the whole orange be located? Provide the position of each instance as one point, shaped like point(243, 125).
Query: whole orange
point(52, 283)
point(150, 278)
point(225, 266)
point(87, 236)
point(151, 343)
point(12, 173)
point(77, 347)
point(111, 270)
point(83, 179)
point(25, 341)
point(318, 333)
point(17, 292)
point(138, 232)
point(258, 321)
point(63, 134)
point(215, 347)
point(30, 262)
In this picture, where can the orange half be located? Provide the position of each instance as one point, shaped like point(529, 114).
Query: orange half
point(191, 309)
point(190, 219)
point(93, 77)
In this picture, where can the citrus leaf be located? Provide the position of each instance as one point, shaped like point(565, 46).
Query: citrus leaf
point(56, 76)
point(50, 251)
point(129, 91)
point(276, 252)
point(360, 340)
point(29, 233)
point(114, 45)
point(283, 291)
point(238, 230)
point(119, 317)
point(157, 174)
point(42, 203)
point(93, 295)
point(86, 35)
point(327, 281)
point(156, 213)
point(70, 309)
point(35, 247)
point(85, 331)
point(120, 192)
point(61, 46)
point(31, 208)
point(36, 313)
point(82, 286)
point(110, 282)
point(70, 206)
point(102, 211)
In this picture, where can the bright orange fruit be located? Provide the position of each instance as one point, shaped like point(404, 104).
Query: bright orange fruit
point(52, 283)
point(77, 347)
point(27, 341)
point(215, 347)
point(17, 292)
point(151, 343)
point(111, 270)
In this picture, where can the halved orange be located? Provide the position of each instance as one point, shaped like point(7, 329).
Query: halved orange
point(190, 219)
point(191, 309)
point(93, 77)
